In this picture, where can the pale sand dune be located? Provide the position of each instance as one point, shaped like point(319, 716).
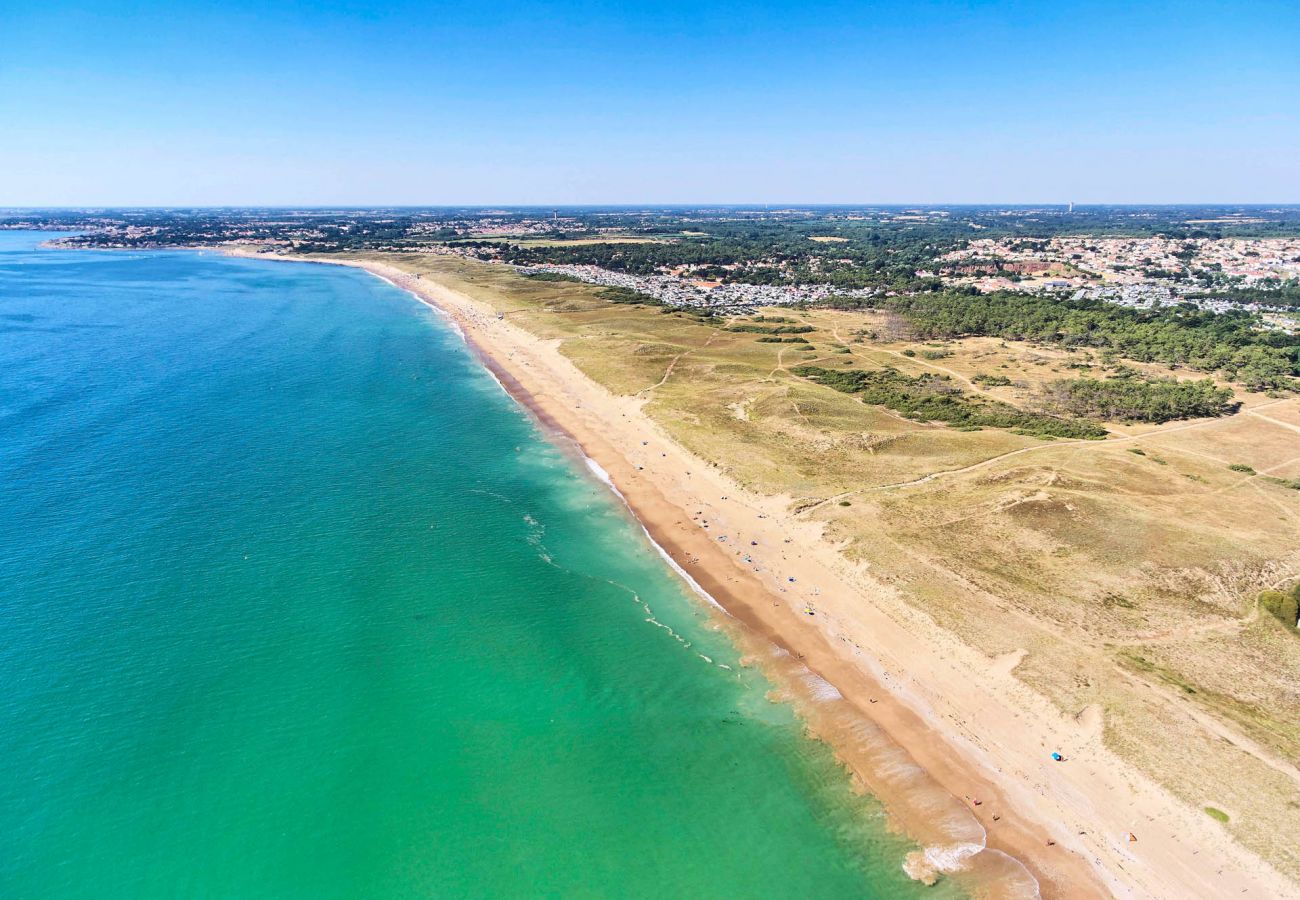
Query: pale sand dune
point(888, 688)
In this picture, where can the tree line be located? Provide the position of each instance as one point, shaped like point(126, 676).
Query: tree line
point(1230, 342)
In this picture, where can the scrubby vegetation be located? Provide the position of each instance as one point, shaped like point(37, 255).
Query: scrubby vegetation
point(1226, 342)
point(1132, 398)
point(627, 295)
point(771, 329)
point(552, 276)
point(1283, 606)
point(992, 380)
point(934, 398)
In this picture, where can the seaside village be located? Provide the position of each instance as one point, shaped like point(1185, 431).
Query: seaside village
point(1139, 273)
point(1135, 272)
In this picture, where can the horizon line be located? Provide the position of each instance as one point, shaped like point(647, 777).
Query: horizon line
point(778, 205)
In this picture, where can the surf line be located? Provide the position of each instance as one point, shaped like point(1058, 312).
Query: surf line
point(595, 468)
point(603, 477)
point(425, 301)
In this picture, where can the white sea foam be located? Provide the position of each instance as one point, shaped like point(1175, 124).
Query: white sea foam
point(1018, 883)
point(1000, 874)
point(819, 688)
point(927, 864)
point(684, 575)
point(952, 857)
point(493, 376)
point(455, 326)
point(599, 471)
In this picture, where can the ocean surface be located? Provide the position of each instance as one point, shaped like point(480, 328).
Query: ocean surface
point(296, 602)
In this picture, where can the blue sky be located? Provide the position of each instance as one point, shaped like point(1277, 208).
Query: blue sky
point(605, 102)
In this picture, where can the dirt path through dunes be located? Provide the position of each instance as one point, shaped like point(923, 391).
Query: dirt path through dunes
point(668, 372)
point(1287, 425)
point(1054, 445)
point(1218, 728)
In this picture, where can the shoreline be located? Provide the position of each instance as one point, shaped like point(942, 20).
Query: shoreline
point(905, 709)
point(954, 844)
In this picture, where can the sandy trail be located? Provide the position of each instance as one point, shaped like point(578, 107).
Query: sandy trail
point(1056, 445)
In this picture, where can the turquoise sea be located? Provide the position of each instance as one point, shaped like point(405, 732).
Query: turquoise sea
point(295, 602)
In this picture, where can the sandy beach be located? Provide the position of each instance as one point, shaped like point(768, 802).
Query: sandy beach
point(956, 747)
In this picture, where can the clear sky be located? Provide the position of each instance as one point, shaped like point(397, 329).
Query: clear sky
point(559, 102)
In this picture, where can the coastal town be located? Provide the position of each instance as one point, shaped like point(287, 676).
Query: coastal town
point(735, 260)
point(1142, 273)
point(1074, 261)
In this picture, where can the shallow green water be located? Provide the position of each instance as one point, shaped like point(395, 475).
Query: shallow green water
point(295, 602)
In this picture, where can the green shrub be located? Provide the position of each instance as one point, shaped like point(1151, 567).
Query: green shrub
point(1292, 483)
point(1199, 339)
point(934, 398)
point(552, 276)
point(777, 329)
point(1285, 607)
point(1243, 468)
point(1132, 398)
point(627, 295)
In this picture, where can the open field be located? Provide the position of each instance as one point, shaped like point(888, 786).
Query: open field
point(1116, 577)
